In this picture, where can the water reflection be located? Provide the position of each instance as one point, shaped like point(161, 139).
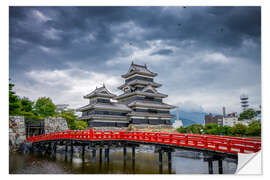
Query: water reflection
point(119, 161)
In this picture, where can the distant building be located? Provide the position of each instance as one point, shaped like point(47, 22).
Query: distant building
point(61, 107)
point(224, 111)
point(177, 124)
point(230, 119)
point(244, 101)
point(140, 102)
point(218, 119)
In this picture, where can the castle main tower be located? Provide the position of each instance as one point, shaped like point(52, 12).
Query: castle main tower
point(140, 95)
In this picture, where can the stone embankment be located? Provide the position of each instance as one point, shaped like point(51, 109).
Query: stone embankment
point(152, 128)
point(17, 134)
point(17, 131)
point(55, 125)
point(140, 127)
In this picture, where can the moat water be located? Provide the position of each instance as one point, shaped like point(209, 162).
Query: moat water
point(146, 162)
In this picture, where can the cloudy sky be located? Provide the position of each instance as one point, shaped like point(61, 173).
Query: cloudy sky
point(205, 57)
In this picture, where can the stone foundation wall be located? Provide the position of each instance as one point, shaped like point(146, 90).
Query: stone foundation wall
point(55, 125)
point(152, 128)
point(143, 126)
point(109, 128)
point(17, 134)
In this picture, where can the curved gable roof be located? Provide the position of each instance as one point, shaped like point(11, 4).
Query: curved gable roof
point(139, 69)
point(100, 92)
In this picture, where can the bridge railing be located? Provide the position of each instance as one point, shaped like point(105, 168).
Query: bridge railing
point(210, 142)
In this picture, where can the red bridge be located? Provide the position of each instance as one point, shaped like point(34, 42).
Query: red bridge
point(220, 144)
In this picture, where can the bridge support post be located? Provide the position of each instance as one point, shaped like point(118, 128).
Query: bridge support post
point(54, 147)
point(49, 148)
point(83, 152)
point(66, 148)
point(220, 168)
point(107, 152)
point(210, 166)
point(100, 155)
point(169, 154)
point(160, 156)
point(71, 150)
point(125, 153)
point(133, 153)
point(94, 155)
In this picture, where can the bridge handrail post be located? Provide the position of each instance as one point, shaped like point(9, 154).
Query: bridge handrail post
point(205, 140)
point(228, 145)
point(91, 133)
point(170, 138)
point(257, 146)
point(186, 139)
point(121, 135)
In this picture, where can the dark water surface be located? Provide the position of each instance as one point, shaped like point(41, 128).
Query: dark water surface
point(146, 162)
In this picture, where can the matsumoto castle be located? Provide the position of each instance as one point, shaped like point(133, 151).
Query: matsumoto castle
point(140, 102)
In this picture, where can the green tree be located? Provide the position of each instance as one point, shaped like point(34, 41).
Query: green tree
point(248, 114)
point(195, 128)
point(192, 129)
point(212, 128)
point(14, 101)
point(182, 130)
point(226, 130)
point(80, 125)
point(26, 104)
point(44, 107)
point(254, 129)
point(239, 129)
point(70, 118)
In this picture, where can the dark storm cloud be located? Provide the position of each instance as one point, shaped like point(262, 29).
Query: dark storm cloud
point(220, 28)
point(98, 39)
point(162, 52)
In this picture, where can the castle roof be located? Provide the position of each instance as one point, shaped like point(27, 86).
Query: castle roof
point(106, 106)
point(140, 82)
point(100, 92)
point(145, 114)
point(153, 104)
point(138, 69)
point(157, 94)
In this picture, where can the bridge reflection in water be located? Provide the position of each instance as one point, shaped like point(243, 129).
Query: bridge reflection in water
point(149, 160)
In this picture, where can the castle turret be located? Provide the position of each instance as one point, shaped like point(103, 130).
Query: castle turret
point(101, 112)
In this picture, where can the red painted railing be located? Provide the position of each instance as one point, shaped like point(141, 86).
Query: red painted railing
point(211, 142)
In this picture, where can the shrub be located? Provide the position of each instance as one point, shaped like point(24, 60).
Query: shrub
point(254, 129)
point(239, 129)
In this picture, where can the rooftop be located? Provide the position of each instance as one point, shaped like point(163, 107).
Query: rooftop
point(139, 69)
point(141, 93)
point(106, 106)
point(137, 81)
point(100, 92)
point(154, 104)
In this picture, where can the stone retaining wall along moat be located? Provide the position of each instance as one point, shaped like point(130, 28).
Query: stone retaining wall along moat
point(55, 125)
point(17, 134)
point(17, 129)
